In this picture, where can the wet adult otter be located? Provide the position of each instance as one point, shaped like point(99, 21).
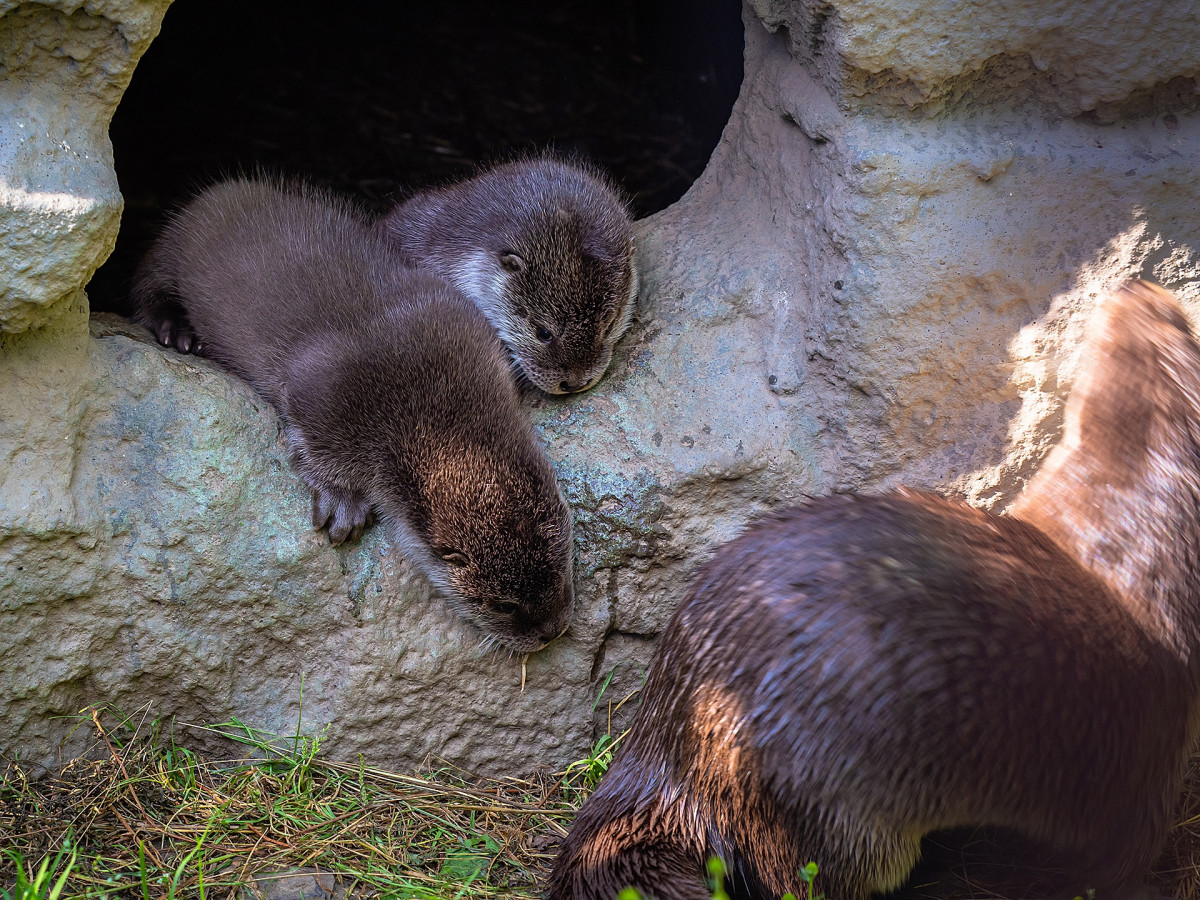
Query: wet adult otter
point(853, 674)
point(544, 248)
point(396, 392)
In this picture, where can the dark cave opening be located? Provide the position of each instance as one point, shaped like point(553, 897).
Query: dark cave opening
point(379, 99)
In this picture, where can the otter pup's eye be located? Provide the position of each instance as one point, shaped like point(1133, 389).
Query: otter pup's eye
point(512, 263)
point(544, 334)
point(453, 557)
point(504, 607)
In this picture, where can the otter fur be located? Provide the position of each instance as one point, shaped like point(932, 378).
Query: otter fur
point(851, 675)
point(396, 392)
point(544, 248)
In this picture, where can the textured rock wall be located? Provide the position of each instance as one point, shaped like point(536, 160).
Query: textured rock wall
point(982, 172)
point(880, 277)
point(64, 65)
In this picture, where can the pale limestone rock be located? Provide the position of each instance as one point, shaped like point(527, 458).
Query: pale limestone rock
point(64, 67)
point(1088, 54)
point(174, 565)
point(968, 246)
point(855, 294)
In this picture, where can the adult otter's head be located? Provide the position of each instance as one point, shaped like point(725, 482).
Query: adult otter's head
point(544, 248)
point(494, 533)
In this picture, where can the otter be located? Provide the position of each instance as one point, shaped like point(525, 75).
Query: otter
point(853, 674)
point(395, 390)
point(544, 248)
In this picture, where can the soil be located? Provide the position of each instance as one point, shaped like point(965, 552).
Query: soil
point(379, 99)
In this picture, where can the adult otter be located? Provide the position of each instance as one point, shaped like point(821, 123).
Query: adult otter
point(853, 674)
point(396, 392)
point(544, 248)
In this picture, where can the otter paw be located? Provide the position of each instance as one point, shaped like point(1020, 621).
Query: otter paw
point(177, 334)
point(342, 513)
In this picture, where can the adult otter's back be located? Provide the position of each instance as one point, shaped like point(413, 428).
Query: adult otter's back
point(851, 675)
point(544, 248)
point(396, 392)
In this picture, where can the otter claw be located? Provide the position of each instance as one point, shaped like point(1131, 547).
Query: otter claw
point(180, 337)
point(165, 332)
point(343, 514)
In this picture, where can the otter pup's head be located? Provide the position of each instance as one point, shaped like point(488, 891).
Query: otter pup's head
point(558, 287)
point(493, 532)
point(544, 248)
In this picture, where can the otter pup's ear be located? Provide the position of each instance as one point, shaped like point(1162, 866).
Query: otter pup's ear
point(511, 262)
point(453, 557)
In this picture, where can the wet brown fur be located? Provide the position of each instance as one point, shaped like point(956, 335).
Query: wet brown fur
point(851, 675)
point(544, 248)
point(395, 389)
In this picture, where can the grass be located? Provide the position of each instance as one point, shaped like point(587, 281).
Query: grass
point(146, 819)
point(47, 881)
point(143, 818)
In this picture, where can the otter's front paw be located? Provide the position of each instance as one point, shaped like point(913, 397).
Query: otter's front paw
point(172, 331)
point(343, 513)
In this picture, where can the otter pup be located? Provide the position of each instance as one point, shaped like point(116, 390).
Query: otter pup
point(853, 674)
point(544, 248)
point(396, 392)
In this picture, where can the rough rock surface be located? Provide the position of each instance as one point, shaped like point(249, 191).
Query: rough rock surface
point(64, 65)
point(857, 293)
point(292, 884)
point(1076, 57)
point(178, 567)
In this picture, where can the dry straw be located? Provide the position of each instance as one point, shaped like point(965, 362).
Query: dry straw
point(141, 817)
